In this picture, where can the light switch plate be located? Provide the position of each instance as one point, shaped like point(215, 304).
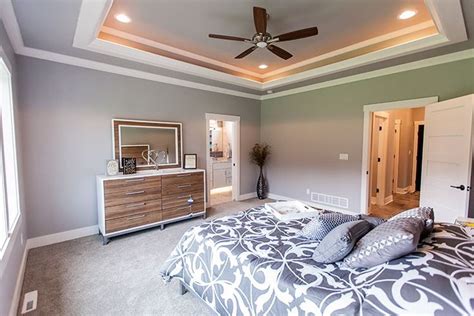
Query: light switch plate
point(343, 156)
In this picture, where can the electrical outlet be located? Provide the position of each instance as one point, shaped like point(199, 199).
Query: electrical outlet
point(308, 191)
point(30, 302)
point(343, 156)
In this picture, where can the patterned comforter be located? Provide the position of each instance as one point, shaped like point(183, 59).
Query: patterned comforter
point(252, 264)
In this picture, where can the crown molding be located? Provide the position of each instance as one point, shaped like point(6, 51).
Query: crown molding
point(171, 49)
point(433, 61)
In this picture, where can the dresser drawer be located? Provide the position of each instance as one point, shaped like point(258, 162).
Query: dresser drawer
point(131, 185)
point(132, 195)
point(132, 209)
point(182, 184)
point(183, 178)
point(183, 211)
point(181, 200)
point(132, 221)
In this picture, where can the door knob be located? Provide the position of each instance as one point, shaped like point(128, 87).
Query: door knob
point(460, 187)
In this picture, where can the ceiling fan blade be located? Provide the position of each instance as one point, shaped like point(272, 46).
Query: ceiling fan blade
point(280, 52)
point(246, 52)
point(227, 37)
point(311, 31)
point(260, 19)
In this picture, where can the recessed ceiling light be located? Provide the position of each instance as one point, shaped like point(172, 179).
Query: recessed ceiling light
point(407, 14)
point(123, 18)
point(269, 91)
point(263, 66)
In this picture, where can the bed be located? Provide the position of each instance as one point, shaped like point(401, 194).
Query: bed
point(252, 264)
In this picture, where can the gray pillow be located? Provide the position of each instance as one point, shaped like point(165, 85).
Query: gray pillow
point(322, 224)
point(340, 241)
point(374, 221)
point(424, 213)
point(390, 240)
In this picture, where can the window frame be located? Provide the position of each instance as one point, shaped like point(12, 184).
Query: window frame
point(10, 182)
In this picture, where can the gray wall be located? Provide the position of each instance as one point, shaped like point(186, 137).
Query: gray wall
point(66, 113)
point(11, 262)
point(323, 123)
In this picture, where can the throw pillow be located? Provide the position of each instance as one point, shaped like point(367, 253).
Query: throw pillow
point(322, 224)
point(374, 221)
point(424, 213)
point(340, 241)
point(390, 240)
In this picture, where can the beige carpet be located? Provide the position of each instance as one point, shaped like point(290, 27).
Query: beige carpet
point(82, 277)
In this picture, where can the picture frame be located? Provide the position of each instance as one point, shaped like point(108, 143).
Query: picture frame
point(112, 167)
point(190, 161)
point(129, 165)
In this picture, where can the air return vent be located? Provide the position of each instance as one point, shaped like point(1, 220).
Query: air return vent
point(331, 200)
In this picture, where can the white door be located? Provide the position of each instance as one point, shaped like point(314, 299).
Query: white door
point(446, 168)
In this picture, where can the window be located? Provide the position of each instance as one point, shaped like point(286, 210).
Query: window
point(9, 197)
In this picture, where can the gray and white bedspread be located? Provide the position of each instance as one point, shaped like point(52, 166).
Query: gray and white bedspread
point(251, 264)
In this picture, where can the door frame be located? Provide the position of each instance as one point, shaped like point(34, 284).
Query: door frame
point(382, 150)
point(367, 135)
point(235, 154)
point(414, 155)
point(396, 153)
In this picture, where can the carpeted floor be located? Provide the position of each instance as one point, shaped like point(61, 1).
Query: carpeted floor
point(82, 277)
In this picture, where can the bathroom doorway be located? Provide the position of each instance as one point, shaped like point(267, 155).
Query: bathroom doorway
point(222, 148)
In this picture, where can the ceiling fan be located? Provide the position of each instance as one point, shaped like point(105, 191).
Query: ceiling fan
point(262, 39)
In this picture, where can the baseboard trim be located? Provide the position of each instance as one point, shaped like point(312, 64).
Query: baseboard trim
point(388, 199)
point(60, 237)
point(19, 284)
point(247, 196)
point(403, 190)
point(317, 205)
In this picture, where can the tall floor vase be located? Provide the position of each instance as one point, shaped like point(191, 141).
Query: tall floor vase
point(261, 185)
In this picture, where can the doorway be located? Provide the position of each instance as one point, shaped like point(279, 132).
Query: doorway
point(393, 157)
point(222, 156)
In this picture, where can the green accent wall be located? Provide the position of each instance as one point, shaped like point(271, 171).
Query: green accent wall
point(307, 131)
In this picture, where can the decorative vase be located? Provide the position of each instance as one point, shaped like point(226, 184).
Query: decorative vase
point(261, 185)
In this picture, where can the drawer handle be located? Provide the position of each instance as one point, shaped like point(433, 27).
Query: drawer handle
point(183, 175)
point(136, 205)
point(136, 192)
point(184, 186)
point(135, 180)
point(135, 217)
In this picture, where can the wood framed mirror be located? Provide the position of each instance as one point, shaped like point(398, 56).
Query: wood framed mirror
point(134, 138)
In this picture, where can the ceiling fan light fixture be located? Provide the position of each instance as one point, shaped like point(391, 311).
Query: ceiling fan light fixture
point(263, 66)
point(407, 14)
point(262, 44)
point(123, 18)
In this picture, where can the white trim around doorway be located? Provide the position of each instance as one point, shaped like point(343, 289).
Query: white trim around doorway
point(235, 154)
point(367, 134)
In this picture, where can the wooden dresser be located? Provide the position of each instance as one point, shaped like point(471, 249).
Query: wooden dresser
point(128, 203)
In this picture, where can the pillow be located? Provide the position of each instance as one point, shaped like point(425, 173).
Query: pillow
point(390, 240)
point(424, 213)
point(340, 241)
point(322, 224)
point(374, 221)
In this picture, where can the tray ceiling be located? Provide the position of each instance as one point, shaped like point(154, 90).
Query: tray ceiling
point(185, 25)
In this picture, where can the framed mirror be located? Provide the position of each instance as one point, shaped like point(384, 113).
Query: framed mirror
point(148, 141)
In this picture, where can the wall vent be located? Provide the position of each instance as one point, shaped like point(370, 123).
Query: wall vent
point(330, 200)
